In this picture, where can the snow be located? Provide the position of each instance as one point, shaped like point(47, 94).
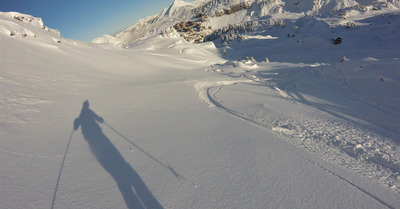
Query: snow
point(260, 37)
point(176, 6)
point(172, 124)
point(105, 38)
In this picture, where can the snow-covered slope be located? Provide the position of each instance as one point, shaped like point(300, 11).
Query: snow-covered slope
point(273, 117)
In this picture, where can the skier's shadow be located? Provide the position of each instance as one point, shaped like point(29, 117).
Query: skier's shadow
point(133, 189)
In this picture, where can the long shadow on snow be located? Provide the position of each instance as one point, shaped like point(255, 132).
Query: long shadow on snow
point(133, 189)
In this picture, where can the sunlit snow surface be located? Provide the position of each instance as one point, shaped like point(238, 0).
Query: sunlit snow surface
point(205, 125)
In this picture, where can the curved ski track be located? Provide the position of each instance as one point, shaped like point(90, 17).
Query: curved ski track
point(218, 105)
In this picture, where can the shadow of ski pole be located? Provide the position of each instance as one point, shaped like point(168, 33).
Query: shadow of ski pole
point(177, 175)
point(62, 166)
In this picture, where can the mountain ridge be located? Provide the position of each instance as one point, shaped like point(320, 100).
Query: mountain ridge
point(221, 14)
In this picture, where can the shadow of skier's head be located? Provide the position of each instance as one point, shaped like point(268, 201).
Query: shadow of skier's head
point(87, 120)
point(85, 104)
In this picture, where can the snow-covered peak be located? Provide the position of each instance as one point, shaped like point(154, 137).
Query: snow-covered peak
point(34, 21)
point(174, 8)
point(18, 25)
point(180, 3)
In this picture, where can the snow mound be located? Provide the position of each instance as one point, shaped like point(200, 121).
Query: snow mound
point(105, 39)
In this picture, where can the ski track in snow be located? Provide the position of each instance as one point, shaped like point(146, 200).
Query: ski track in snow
point(214, 103)
point(345, 141)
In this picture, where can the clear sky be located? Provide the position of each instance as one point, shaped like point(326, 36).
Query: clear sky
point(87, 19)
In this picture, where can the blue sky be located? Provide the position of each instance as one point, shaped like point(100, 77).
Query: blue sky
point(87, 19)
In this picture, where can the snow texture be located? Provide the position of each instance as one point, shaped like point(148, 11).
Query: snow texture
point(270, 114)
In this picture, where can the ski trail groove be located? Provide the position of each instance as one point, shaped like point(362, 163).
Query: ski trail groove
point(216, 91)
point(347, 181)
point(212, 98)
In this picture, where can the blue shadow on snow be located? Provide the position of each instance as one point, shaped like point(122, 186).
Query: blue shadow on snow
point(134, 191)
